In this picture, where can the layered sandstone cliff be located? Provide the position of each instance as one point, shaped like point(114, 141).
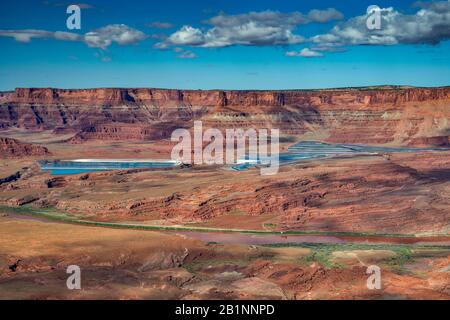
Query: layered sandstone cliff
point(356, 97)
point(12, 148)
point(363, 115)
point(441, 141)
point(406, 193)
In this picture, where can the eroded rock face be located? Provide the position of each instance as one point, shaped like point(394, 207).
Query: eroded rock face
point(164, 260)
point(165, 97)
point(405, 193)
point(12, 148)
point(441, 141)
point(366, 115)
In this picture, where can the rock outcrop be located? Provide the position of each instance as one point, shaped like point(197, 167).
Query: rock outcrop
point(406, 193)
point(12, 148)
point(361, 97)
point(441, 141)
point(364, 115)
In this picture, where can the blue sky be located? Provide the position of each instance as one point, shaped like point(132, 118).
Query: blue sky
point(224, 44)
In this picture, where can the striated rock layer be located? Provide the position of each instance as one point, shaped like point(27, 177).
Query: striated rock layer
point(364, 115)
point(12, 148)
point(442, 141)
point(404, 193)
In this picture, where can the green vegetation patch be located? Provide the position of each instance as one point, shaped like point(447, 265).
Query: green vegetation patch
point(321, 253)
point(53, 214)
point(48, 213)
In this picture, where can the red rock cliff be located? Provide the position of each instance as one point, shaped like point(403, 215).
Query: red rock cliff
point(363, 97)
point(357, 115)
point(12, 148)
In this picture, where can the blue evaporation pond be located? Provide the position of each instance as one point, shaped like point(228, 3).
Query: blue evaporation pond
point(310, 150)
point(333, 149)
point(60, 167)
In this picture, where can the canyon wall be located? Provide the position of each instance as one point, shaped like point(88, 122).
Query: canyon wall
point(355, 115)
point(11, 148)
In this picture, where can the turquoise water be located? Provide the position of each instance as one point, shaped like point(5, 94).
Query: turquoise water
point(59, 167)
point(302, 151)
point(310, 150)
point(62, 172)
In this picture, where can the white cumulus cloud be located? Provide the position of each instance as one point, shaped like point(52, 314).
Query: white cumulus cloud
point(118, 33)
point(250, 29)
point(100, 38)
point(429, 25)
point(306, 53)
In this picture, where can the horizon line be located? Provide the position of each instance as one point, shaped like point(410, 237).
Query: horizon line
point(386, 86)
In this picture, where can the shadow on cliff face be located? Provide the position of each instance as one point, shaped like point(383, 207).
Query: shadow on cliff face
point(436, 175)
point(300, 119)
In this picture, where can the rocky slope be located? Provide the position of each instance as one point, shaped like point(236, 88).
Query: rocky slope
point(402, 193)
point(363, 115)
point(133, 264)
point(441, 141)
point(12, 148)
